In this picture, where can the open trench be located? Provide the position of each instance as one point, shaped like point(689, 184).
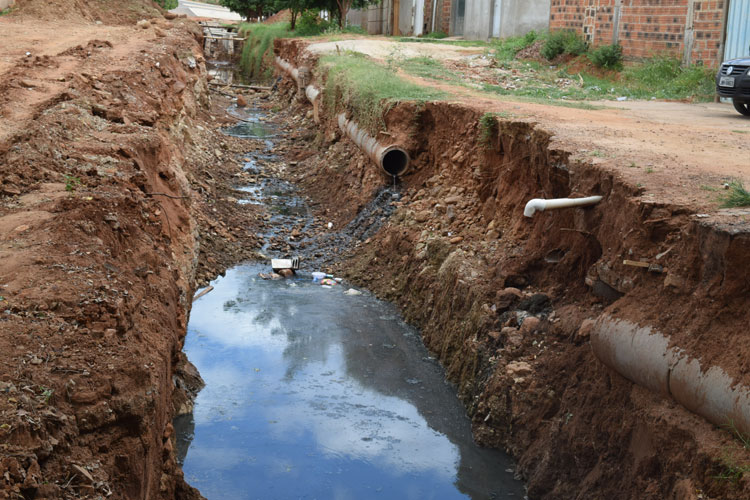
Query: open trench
point(120, 197)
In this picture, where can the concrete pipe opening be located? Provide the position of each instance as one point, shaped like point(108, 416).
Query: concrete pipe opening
point(395, 161)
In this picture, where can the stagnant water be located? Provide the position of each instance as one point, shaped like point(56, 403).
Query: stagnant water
point(315, 392)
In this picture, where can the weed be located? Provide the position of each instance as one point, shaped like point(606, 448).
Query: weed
point(649, 170)
point(709, 188)
point(72, 183)
point(741, 131)
point(7, 10)
point(597, 153)
point(664, 77)
point(436, 35)
point(743, 438)
point(507, 48)
point(607, 56)
point(738, 196)
point(46, 394)
point(259, 47)
point(355, 82)
point(487, 129)
point(632, 165)
point(563, 42)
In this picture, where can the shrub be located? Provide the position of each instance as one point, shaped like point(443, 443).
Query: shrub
point(310, 24)
point(507, 48)
point(436, 35)
point(563, 42)
point(607, 56)
point(167, 4)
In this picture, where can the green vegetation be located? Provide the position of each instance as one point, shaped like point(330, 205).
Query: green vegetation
point(738, 196)
point(436, 35)
point(507, 48)
point(310, 24)
point(167, 4)
point(72, 183)
point(563, 42)
point(664, 78)
point(607, 56)
point(355, 82)
point(488, 127)
point(259, 48)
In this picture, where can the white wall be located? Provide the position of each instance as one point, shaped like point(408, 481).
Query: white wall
point(517, 17)
point(4, 4)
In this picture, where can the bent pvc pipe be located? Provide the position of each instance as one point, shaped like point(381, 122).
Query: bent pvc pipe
point(393, 159)
point(643, 357)
point(540, 205)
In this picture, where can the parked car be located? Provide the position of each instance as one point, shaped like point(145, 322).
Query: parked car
point(733, 82)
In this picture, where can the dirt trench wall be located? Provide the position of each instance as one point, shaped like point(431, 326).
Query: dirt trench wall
point(508, 302)
point(98, 250)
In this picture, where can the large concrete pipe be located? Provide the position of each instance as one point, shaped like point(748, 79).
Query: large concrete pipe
point(540, 205)
point(393, 159)
point(289, 69)
point(643, 356)
point(312, 94)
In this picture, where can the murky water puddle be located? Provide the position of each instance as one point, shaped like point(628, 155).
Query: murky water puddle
point(320, 392)
point(313, 393)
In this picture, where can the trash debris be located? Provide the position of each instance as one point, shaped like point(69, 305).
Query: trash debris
point(328, 281)
point(270, 276)
point(652, 268)
point(278, 264)
point(352, 291)
point(330, 225)
point(317, 276)
point(623, 98)
point(202, 293)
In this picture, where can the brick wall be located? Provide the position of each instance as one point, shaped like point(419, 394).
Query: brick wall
point(445, 16)
point(646, 27)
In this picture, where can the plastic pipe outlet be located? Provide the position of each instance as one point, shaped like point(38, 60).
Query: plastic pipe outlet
point(291, 70)
point(393, 159)
point(644, 357)
point(540, 205)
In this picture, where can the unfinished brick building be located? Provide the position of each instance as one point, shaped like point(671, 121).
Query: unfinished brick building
point(693, 30)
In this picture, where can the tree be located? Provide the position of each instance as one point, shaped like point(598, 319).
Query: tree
point(246, 8)
point(296, 7)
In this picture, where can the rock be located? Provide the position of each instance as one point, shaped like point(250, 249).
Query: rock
point(241, 102)
point(286, 273)
point(518, 368)
point(584, 331)
point(422, 216)
point(456, 239)
point(22, 228)
point(144, 24)
point(512, 336)
point(493, 234)
point(352, 291)
point(36, 361)
point(494, 335)
point(159, 32)
point(507, 298)
point(674, 281)
point(452, 200)
point(535, 304)
point(170, 15)
point(26, 84)
point(530, 325)
point(10, 190)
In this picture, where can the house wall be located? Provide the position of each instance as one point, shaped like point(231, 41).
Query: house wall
point(4, 4)
point(521, 16)
point(687, 29)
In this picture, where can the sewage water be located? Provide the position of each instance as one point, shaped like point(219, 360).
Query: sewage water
point(312, 393)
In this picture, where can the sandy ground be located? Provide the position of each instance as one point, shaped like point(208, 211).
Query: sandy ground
point(381, 48)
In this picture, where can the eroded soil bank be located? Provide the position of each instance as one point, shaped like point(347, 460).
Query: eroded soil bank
point(508, 302)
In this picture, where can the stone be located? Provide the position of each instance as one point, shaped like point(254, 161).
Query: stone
point(512, 336)
point(286, 273)
point(144, 24)
point(10, 190)
point(452, 200)
point(241, 102)
point(530, 325)
point(22, 228)
point(422, 216)
point(159, 32)
point(456, 239)
point(507, 298)
point(674, 281)
point(494, 335)
point(535, 304)
point(584, 331)
point(518, 368)
point(170, 15)
point(493, 234)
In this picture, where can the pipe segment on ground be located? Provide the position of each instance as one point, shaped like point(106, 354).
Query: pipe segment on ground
point(393, 159)
point(644, 357)
point(540, 205)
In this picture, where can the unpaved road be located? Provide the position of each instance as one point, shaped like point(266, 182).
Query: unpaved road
point(200, 9)
point(676, 152)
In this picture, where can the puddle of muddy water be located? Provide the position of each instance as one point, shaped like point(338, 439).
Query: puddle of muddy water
point(312, 393)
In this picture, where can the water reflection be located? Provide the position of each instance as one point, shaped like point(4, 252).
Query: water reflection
point(311, 393)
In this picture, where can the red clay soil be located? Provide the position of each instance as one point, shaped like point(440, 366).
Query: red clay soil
point(113, 205)
point(507, 302)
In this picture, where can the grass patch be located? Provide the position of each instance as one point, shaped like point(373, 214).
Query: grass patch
point(738, 196)
point(367, 89)
point(256, 61)
point(488, 128)
point(665, 78)
point(506, 49)
point(427, 67)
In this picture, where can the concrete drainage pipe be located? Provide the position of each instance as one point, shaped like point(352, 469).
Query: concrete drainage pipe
point(644, 357)
point(289, 69)
point(540, 205)
point(393, 159)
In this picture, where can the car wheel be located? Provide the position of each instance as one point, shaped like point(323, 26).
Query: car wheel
point(742, 107)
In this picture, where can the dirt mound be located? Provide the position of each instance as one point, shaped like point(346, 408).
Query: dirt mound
point(280, 17)
point(120, 12)
point(533, 52)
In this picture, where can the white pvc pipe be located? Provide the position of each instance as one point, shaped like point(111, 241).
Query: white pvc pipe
point(540, 205)
point(293, 72)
